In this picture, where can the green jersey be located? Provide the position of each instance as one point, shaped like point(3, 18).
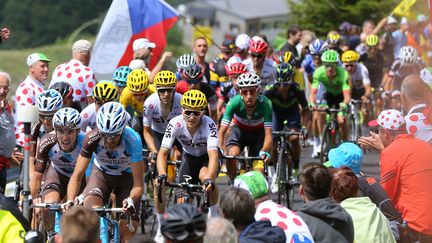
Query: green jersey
point(261, 117)
point(337, 85)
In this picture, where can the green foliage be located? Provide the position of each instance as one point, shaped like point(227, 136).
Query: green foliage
point(322, 16)
point(40, 22)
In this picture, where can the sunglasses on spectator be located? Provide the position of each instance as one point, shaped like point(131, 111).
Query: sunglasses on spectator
point(165, 90)
point(248, 91)
point(193, 81)
point(188, 113)
point(257, 55)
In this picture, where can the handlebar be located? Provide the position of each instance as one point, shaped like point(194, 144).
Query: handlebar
point(49, 206)
point(243, 158)
point(185, 185)
point(103, 210)
point(327, 110)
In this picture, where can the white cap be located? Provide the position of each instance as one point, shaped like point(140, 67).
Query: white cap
point(137, 64)
point(82, 46)
point(242, 41)
point(142, 43)
point(404, 20)
point(32, 58)
point(391, 20)
point(395, 93)
point(421, 18)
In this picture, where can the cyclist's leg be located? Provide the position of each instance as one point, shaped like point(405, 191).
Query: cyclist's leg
point(293, 118)
point(122, 185)
point(97, 192)
point(255, 141)
point(276, 126)
point(213, 195)
point(234, 146)
point(52, 192)
point(190, 166)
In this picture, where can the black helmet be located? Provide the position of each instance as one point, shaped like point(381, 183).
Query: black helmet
point(228, 45)
point(284, 73)
point(183, 222)
point(64, 88)
point(193, 71)
point(219, 67)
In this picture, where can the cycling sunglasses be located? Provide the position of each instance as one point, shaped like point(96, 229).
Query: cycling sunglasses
point(193, 81)
point(328, 65)
point(188, 113)
point(46, 117)
point(110, 136)
point(248, 91)
point(285, 84)
point(165, 90)
point(349, 65)
point(257, 55)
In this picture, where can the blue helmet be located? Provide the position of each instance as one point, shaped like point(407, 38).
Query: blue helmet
point(49, 101)
point(318, 47)
point(120, 75)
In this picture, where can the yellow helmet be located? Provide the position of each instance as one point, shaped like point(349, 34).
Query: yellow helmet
point(194, 99)
point(288, 57)
point(350, 56)
point(105, 91)
point(137, 81)
point(165, 79)
point(333, 38)
point(372, 40)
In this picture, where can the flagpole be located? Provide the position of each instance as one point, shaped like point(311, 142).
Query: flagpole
point(202, 32)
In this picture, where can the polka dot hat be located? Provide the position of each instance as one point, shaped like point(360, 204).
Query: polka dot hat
point(389, 119)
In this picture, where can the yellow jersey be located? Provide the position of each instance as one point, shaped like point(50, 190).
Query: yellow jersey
point(129, 102)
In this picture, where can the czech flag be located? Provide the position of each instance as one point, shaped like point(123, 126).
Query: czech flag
point(126, 21)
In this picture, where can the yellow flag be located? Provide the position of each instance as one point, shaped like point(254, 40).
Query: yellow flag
point(203, 31)
point(403, 9)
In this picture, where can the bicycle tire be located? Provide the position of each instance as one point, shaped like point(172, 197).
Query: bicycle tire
point(352, 128)
point(280, 176)
point(289, 187)
point(326, 144)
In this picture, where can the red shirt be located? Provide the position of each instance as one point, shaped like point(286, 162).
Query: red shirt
point(406, 175)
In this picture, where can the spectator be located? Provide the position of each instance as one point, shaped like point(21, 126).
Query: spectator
point(79, 225)
point(200, 48)
point(30, 88)
point(4, 34)
point(327, 220)
point(294, 35)
point(387, 42)
point(13, 224)
point(183, 223)
point(294, 227)
point(405, 173)
point(77, 73)
point(238, 206)
point(7, 141)
point(400, 37)
point(416, 100)
point(241, 51)
point(220, 230)
point(369, 223)
point(350, 155)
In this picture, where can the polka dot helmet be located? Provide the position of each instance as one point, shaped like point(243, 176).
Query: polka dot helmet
point(389, 119)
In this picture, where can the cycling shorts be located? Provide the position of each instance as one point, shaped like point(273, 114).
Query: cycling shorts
point(191, 166)
point(356, 94)
point(334, 100)
point(57, 182)
point(253, 139)
point(101, 185)
point(292, 117)
point(157, 137)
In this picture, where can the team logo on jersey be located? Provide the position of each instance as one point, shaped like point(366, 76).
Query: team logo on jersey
point(85, 115)
point(178, 124)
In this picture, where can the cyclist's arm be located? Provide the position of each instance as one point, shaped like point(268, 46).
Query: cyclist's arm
point(162, 161)
point(222, 131)
point(226, 120)
point(148, 137)
point(268, 140)
point(220, 105)
point(76, 178)
point(213, 164)
point(366, 81)
point(314, 89)
point(165, 56)
point(138, 187)
point(213, 107)
point(346, 89)
point(35, 184)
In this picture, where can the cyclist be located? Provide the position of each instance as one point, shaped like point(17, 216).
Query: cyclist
point(334, 41)
point(407, 63)
point(288, 57)
point(160, 108)
point(48, 102)
point(103, 92)
point(56, 157)
point(252, 116)
point(242, 44)
point(261, 65)
point(183, 62)
point(358, 76)
point(286, 98)
point(193, 79)
point(120, 77)
point(197, 134)
point(374, 61)
point(229, 89)
point(66, 91)
point(337, 89)
point(218, 73)
point(118, 165)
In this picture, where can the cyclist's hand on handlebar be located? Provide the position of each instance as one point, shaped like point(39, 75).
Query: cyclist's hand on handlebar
point(265, 156)
point(161, 179)
point(79, 200)
point(208, 185)
point(68, 204)
point(153, 157)
point(343, 106)
point(128, 205)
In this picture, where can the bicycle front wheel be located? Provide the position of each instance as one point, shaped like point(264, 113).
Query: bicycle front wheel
point(327, 143)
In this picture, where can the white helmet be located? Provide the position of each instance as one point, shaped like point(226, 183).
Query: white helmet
point(242, 41)
point(408, 54)
point(248, 79)
point(111, 118)
point(67, 118)
point(49, 101)
point(137, 64)
point(184, 61)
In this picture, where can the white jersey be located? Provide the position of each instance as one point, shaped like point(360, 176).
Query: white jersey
point(360, 77)
point(294, 227)
point(204, 139)
point(152, 115)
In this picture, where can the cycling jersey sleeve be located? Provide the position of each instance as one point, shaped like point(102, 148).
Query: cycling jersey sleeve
point(90, 143)
point(133, 144)
point(229, 111)
point(267, 113)
point(147, 113)
point(42, 156)
point(35, 128)
point(212, 140)
point(365, 75)
point(170, 134)
point(301, 97)
point(316, 78)
point(345, 81)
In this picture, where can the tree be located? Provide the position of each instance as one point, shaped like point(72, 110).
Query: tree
point(325, 15)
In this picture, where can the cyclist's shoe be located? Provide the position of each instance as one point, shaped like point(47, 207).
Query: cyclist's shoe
point(159, 238)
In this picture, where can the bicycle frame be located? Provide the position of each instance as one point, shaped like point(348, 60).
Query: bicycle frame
point(56, 208)
point(106, 222)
